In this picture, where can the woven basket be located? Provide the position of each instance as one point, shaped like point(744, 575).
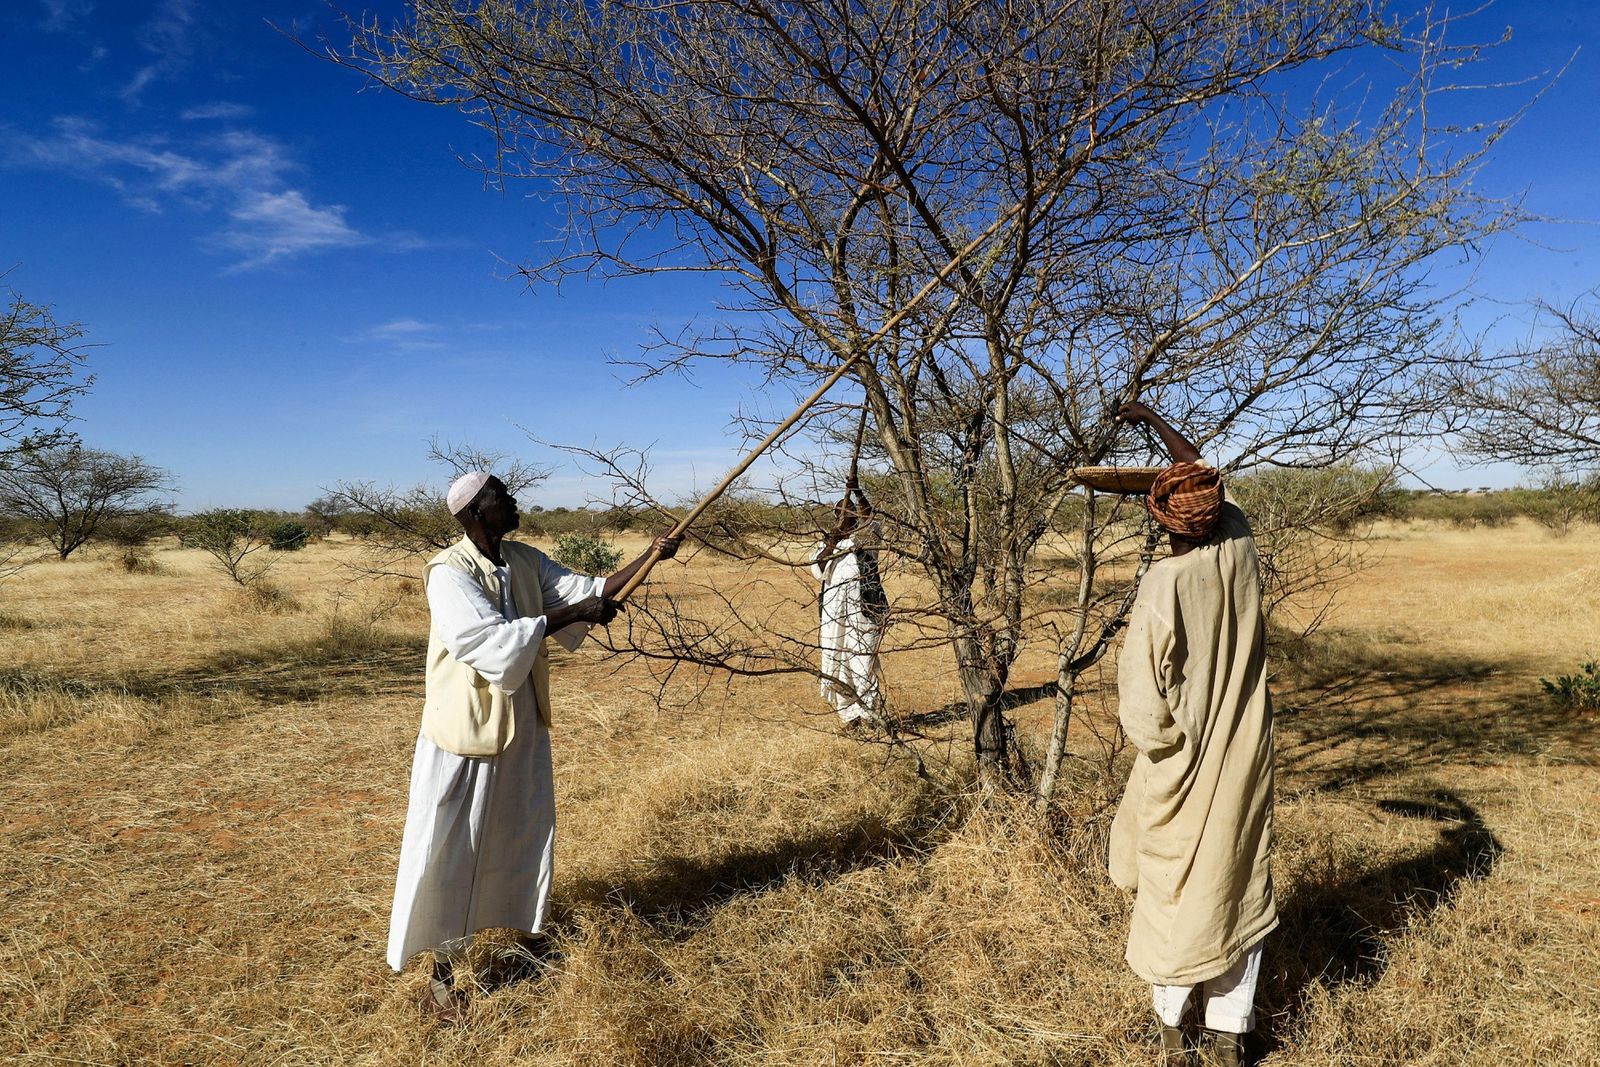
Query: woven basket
point(1117, 479)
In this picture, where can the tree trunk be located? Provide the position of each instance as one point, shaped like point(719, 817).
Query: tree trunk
point(1066, 673)
point(983, 687)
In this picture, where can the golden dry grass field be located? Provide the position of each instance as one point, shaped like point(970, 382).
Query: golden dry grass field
point(203, 803)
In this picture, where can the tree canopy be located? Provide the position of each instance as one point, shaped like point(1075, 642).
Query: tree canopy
point(1018, 214)
point(41, 362)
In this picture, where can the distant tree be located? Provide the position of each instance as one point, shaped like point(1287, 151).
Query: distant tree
point(1557, 500)
point(586, 553)
point(1539, 404)
point(40, 363)
point(131, 535)
point(230, 536)
point(289, 535)
point(323, 516)
point(400, 527)
point(67, 491)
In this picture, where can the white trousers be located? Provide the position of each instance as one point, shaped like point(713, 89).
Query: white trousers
point(1230, 997)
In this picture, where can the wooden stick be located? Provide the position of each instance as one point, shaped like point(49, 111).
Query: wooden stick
point(844, 368)
point(861, 436)
point(733, 475)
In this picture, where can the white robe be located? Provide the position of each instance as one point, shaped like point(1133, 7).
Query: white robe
point(850, 636)
point(479, 842)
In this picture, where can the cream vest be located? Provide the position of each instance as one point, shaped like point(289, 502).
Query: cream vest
point(461, 711)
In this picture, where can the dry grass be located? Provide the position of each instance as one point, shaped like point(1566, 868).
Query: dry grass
point(205, 804)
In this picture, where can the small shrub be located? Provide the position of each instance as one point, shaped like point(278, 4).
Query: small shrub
point(228, 535)
point(1576, 690)
point(288, 536)
point(586, 554)
point(136, 559)
point(270, 597)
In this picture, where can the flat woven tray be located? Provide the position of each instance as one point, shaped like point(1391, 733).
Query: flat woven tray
point(1117, 479)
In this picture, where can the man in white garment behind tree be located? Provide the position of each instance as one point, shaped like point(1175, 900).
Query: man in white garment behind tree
point(853, 611)
point(480, 826)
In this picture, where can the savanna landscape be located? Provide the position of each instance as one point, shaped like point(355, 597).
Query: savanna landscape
point(206, 799)
point(947, 276)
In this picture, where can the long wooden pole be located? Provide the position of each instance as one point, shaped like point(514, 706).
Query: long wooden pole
point(733, 475)
point(844, 368)
point(861, 436)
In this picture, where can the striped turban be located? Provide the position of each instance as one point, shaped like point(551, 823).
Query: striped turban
point(1186, 500)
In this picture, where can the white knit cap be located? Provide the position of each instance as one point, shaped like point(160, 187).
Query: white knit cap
point(464, 489)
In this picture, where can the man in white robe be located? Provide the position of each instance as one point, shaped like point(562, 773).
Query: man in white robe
point(1193, 835)
point(854, 611)
point(479, 841)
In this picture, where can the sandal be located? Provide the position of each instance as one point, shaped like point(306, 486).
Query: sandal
point(444, 1003)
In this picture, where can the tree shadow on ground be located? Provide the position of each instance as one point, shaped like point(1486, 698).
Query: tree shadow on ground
point(956, 710)
point(303, 670)
point(1349, 712)
point(1336, 929)
point(677, 894)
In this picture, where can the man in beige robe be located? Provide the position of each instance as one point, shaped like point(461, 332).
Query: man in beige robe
point(1193, 834)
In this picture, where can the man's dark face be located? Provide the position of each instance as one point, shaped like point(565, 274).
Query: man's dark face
point(497, 508)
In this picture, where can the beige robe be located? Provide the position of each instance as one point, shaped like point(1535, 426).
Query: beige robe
point(1194, 831)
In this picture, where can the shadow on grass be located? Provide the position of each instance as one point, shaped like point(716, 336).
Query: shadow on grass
point(1349, 712)
point(677, 894)
point(956, 711)
point(1337, 930)
point(309, 669)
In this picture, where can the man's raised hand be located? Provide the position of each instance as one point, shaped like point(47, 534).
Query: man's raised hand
point(1135, 412)
point(666, 546)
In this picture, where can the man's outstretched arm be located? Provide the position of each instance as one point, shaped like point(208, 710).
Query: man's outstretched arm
point(1178, 446)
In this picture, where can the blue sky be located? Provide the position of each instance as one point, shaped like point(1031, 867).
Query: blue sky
point(293, 281)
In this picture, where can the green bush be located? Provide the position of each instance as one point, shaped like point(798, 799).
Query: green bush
point(1465, 510)
point(586, 554)
point(1337, 499)
point(1576, 690)
point(288, 536)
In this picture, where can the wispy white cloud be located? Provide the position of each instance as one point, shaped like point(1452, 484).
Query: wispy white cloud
point(169, 37)
point(402, 328)
point(218, 110)
point(59, 15)
point(239, 175)
point(270, 226)
point(404, 334)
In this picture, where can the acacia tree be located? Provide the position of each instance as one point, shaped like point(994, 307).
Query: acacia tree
point(402, 527)
point(1008, 218)
point(1539, 404)
point(40, 363)
point(230, 536)
point(68, 492)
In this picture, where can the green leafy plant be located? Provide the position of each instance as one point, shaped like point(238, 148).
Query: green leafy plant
point(586, 553)
point(1576, 690)
point(288, 536)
